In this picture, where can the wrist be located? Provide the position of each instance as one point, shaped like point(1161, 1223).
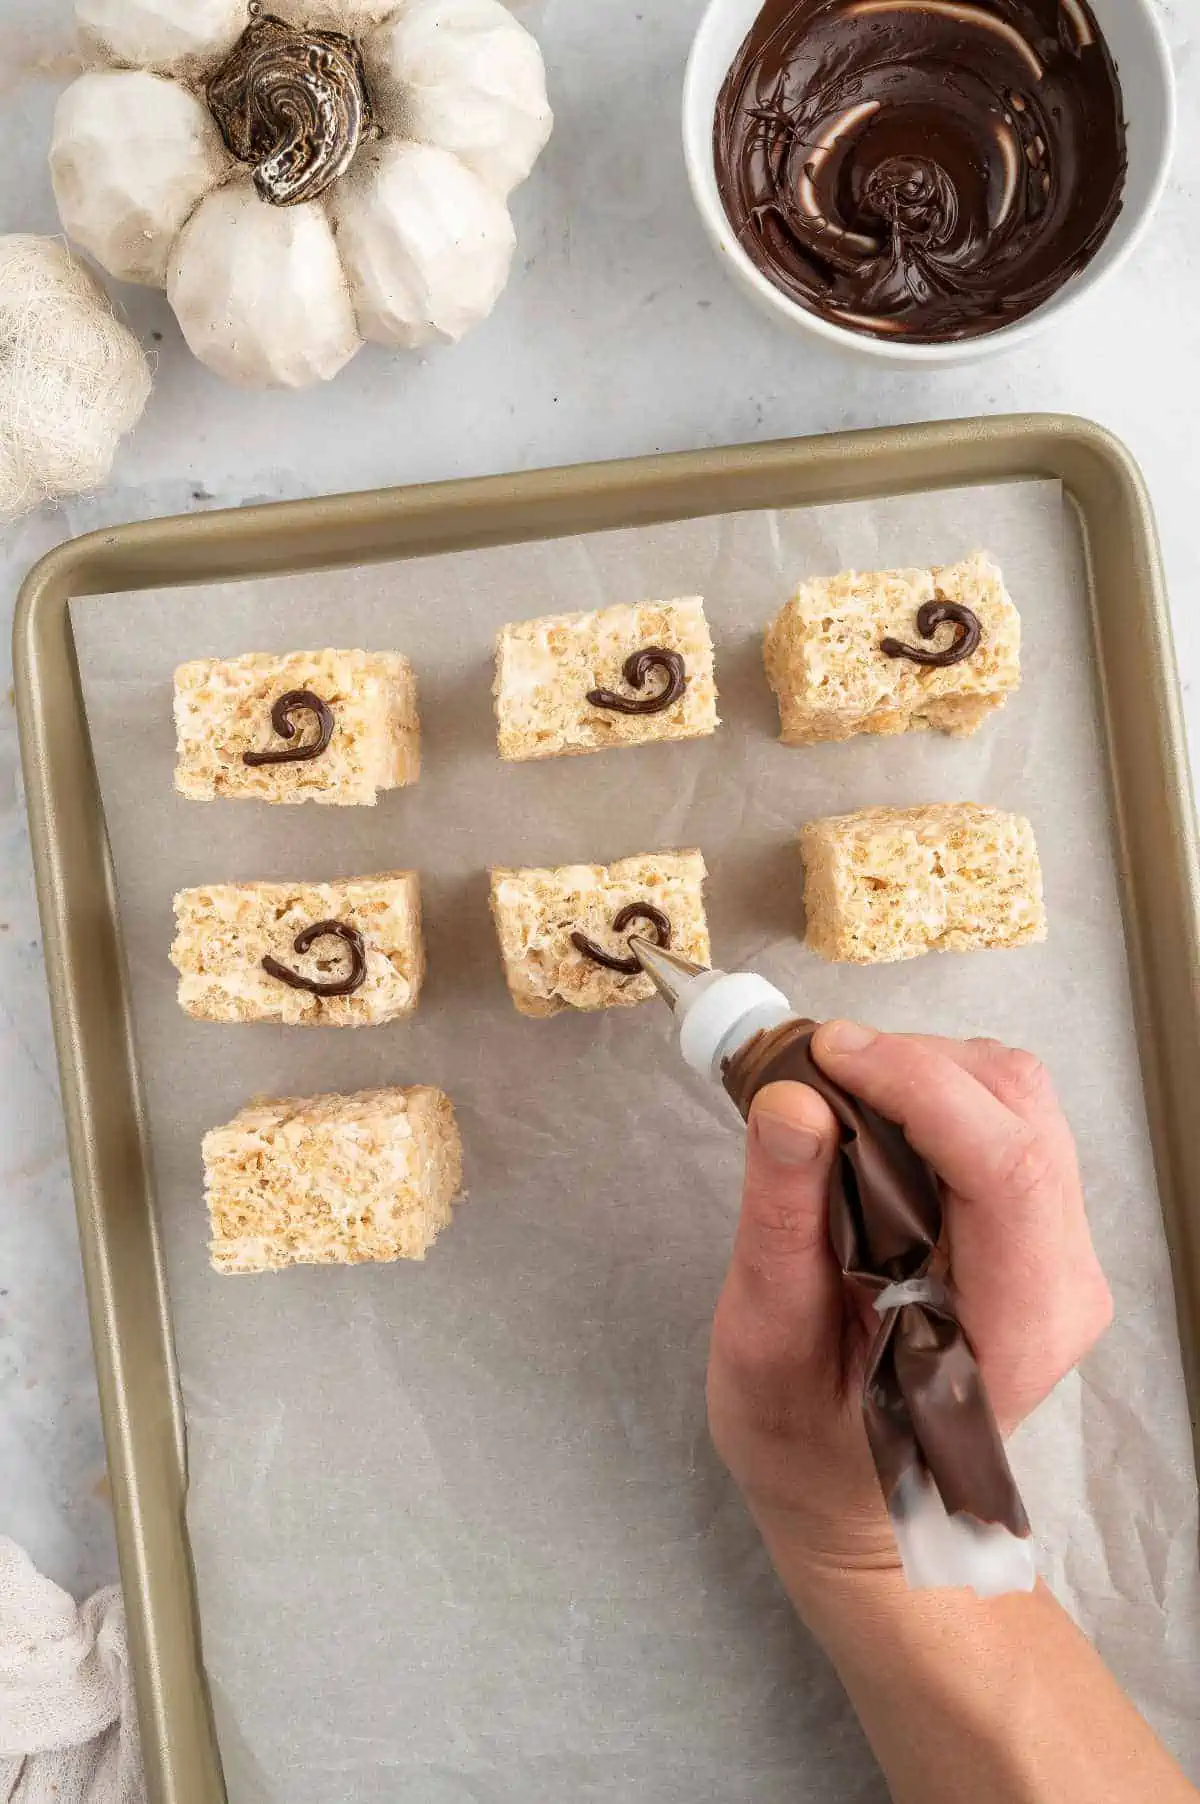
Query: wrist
point(834, 1573)
point(854, 1599)
point(963, 1697)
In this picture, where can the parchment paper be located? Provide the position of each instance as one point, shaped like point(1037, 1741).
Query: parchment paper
point(458, 1531)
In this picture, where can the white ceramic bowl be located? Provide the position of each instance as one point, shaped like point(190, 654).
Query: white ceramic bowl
point(1143, 58)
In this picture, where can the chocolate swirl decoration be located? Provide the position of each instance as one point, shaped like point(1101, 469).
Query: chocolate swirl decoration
point(315, 986)
point(637, 911)
point(294, 104)
point(922, 169)
point(933, 614)
point(637, 671)
point(296, 701)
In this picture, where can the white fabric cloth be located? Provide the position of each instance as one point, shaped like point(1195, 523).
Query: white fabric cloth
point(68, 1728)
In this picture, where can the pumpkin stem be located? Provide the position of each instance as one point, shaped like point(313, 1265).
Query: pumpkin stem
point(292, 103)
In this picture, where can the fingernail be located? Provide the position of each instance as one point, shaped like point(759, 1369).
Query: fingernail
point(845, 1036)
point(786, 1142)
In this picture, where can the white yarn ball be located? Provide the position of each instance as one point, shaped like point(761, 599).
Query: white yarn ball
point(73, 379)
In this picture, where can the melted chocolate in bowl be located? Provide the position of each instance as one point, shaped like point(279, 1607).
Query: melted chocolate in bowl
point(922, 169)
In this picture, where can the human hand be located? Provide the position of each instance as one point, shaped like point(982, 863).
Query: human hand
point(785, 1376)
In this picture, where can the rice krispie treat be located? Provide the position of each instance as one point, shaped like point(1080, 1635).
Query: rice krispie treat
point(311, 726)
point(581, 682)
point(563, 932)
point(332, 1180)
point(891, 883)
point(894, 652)
point(341, 954)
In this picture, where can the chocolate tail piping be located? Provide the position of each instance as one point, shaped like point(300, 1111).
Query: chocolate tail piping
point(942, 1552)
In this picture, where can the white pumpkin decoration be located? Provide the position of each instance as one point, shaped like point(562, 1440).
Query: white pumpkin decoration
point(304, 178)
point(73, 379)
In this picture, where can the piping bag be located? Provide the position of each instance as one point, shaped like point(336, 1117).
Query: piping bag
point(953, 1502)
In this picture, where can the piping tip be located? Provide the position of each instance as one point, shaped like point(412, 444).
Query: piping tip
point(669, 972)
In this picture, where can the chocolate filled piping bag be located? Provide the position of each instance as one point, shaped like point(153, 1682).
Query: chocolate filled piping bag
point(953, 1502)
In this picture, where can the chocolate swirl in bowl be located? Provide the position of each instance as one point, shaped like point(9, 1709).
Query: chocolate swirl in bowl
point(922, 169)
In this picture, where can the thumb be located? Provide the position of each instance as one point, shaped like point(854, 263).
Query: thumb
point(783, 1261)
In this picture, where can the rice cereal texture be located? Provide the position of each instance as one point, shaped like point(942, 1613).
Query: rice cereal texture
point(333, 1180)
point(892, 883)
point(223, 710)
point(545, 670)
point(225, 930)
point(832, 680)
point(537, 911)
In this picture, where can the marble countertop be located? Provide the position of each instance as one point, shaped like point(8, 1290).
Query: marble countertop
point(612, 258)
